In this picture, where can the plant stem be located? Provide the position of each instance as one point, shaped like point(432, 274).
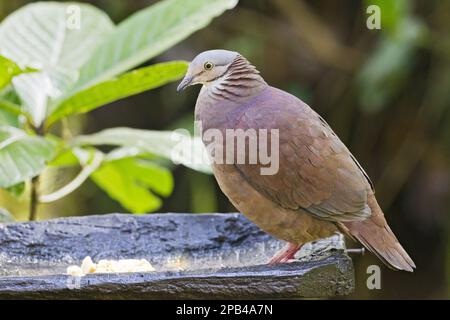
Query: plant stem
point(34, 198)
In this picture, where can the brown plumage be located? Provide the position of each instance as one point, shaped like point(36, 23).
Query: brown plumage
point(319, 187)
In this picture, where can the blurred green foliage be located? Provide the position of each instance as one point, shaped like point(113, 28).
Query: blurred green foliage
point(82, 57)
point(388, 66)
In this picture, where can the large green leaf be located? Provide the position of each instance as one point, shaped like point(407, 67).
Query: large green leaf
point(174, 145)
point(131, 83)
point(21, 156)
point(128, 181)
point(43, 36)
point(146, 34)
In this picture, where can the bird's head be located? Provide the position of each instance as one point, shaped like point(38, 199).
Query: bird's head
point(207, 67)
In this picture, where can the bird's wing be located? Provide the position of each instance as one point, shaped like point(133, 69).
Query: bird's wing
point(316, 170)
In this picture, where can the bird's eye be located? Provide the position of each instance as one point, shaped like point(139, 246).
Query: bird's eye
point(208, 65)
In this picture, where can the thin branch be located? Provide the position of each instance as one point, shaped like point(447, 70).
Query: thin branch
point(34, 198)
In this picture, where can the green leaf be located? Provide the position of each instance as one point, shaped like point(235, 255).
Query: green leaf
point(128, 181)
point(8, 70)
point(76, 46)
point(65, 159)
point(157, 178)
point(43, 36)
point(131, 83)
point(5, 216)
point(128, 152)
point(177, 146)
point(22, 156)
point(146, 34)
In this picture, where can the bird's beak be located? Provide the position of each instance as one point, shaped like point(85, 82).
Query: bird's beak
point(185, 83)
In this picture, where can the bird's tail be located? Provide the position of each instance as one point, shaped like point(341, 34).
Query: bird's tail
point(375, 234)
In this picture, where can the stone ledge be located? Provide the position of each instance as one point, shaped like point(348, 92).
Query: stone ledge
point(223, 255)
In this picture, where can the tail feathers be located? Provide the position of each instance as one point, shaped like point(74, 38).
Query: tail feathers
point(375, 234)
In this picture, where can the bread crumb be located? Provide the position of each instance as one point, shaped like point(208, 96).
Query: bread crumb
point(110, 266)
point(75, 271)
point(88, 266)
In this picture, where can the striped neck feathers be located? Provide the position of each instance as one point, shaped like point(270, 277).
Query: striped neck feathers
point(240, 80)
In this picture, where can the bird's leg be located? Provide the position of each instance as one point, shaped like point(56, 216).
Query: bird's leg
point(286, 254)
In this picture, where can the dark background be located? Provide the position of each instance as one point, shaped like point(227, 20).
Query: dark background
point(385, 92)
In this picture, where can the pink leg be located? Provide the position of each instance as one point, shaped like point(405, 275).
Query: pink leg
point(286, 254)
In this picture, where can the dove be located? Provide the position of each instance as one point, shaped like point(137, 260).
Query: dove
point(318, 189)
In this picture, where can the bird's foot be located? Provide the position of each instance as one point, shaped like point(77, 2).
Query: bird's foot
point(286, 254)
